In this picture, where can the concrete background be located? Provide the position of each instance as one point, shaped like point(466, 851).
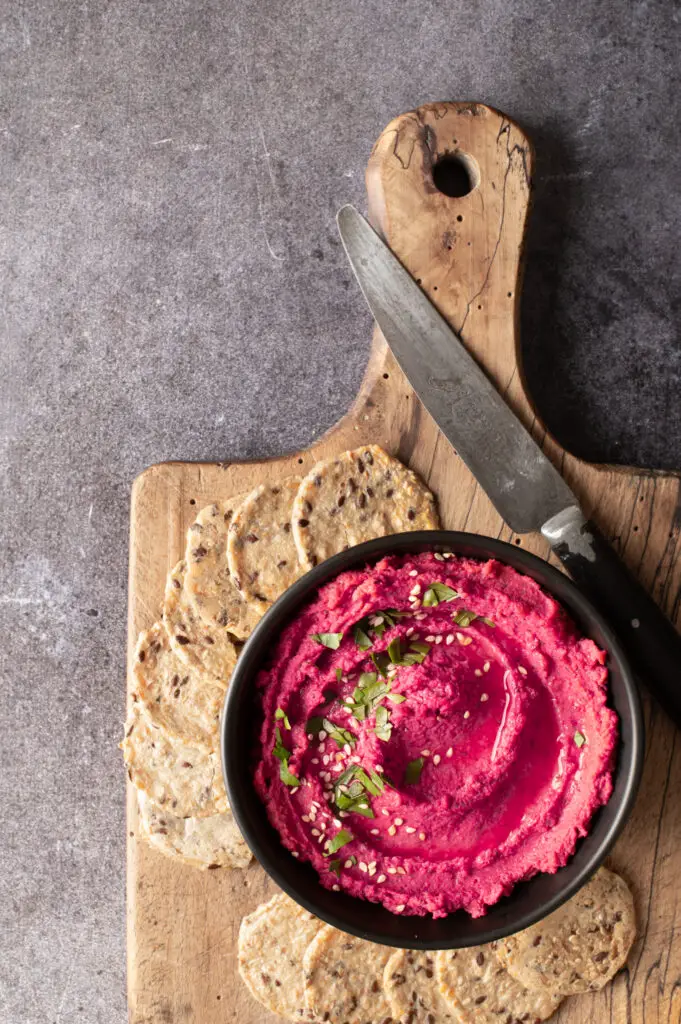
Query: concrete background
point(172, 287)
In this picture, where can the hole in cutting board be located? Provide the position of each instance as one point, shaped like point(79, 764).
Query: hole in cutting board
point(455, 175)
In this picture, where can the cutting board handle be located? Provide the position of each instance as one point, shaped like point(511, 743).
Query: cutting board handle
point(464, 249)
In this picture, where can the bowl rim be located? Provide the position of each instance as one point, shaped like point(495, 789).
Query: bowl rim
point(561, 587)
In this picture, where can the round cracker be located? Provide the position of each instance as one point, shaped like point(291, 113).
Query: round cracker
point(208, 581)
point(178, 775)
point(344, 978)
point(212, 842)
point(479, 989)
point(185, 700)
point(261, 551)
point(411, 985)
point(196, 643)
point(354, 497)
point(272, 943)
point(582, 945)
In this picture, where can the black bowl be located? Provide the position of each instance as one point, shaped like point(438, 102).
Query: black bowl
point(529, 900)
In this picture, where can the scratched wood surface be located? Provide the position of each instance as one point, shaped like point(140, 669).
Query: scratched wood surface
point(467, 254)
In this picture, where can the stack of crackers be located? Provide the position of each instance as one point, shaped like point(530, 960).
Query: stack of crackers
point(303, 969)
point(241, 555)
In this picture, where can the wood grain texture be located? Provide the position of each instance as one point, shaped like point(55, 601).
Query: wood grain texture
point(467, 252)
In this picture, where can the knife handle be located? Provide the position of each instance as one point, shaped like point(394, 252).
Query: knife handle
point(649, 639)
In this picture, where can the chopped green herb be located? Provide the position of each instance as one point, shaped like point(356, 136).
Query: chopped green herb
point(282, 755)
point(339, 674)
point(381, 661)
point(351, 860)
point(463, 617)
point(335, 866)
point(340, 839)
point(280, 714)
point(416, 653)
point(413, 771)
point(397, 698)
point(361, 637)
point(488, 622)
point(383, 727)
point(330, 640)
point(395, 651)
point(579, 738)
point(437, 592)
point(337, 733)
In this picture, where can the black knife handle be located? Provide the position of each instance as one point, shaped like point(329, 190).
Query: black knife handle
point(649, 639)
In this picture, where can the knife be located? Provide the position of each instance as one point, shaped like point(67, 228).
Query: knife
point(522, 483)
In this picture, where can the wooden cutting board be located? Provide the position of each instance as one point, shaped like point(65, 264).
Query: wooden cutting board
point(467, 254)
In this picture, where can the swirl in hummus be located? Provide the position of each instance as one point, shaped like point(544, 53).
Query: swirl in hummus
point(435, 730)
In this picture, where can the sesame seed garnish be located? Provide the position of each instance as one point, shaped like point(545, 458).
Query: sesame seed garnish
point(484, 697)
point(437, 759)
point(422, 836)
point(363, 867)
point(315, 832)
point(409, 829)
point(336, 822)
point(321, 840)
point(336, 888)
point(450, 639)
point(485, 667)
point(372, 870)
point(385, 811)
point(355, 759)
point(338, 767)
point(450, 751)
point(310, 736)
point(347, 749)
point(294, 853)
point(342, 814)
point(380, 879)
point(413, 572)
point(306, 818)
point(420, 616)
point(392, 871)
point(322, 735)
point(430, 639)
point(438, 639)
point(322, 748)
point(295, 790)
point(438, 557)
point(348, 864)
point(375, 832)
point(466, 714)
point(425, 753)
point(522, 670)
point(401, 871)
point(325, 759)
point(398, 821)
point(392, 830)
point(447, 554)
point(415, 603)
point(400, 908)
point(464, 640)
point(416, 589)
point(323, 826)
point(315, 760)
point(410, 631)
point(478, 672)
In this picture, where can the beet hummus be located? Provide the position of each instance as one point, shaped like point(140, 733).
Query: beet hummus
point(435, 730)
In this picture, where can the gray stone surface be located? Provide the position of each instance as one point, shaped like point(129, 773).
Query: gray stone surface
point(171, 287)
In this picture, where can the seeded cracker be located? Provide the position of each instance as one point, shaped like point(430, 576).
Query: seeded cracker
point(203, 843)
point(185, 701)
point(354, 497)
point(344, 979)
point(209, 583)
point(272, 942)
point(178, 775)
point(579, 947)
point(196, 643)
point(411, 986)
point(261, 552)
point(480, 990)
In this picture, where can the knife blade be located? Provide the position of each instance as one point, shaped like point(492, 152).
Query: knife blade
point(520, 480)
